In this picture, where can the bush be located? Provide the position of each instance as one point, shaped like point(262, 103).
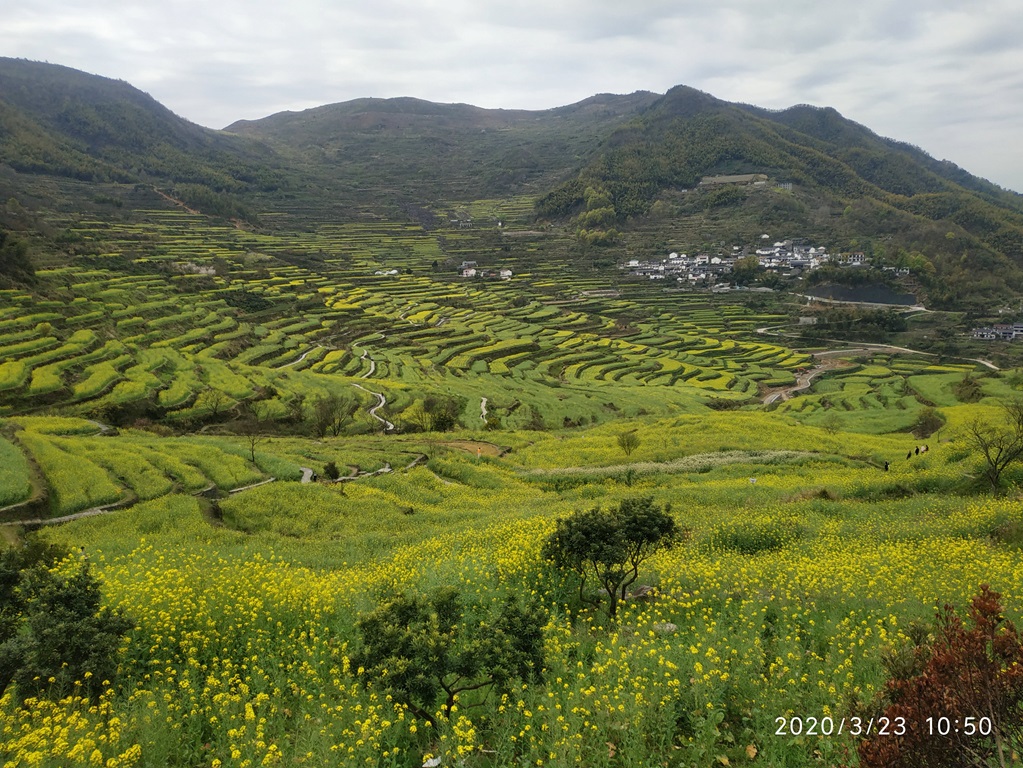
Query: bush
point(968, 390)
point(628, 442)
point(970, 677)
point(54, 632)
point(424, 650)
point(927, 423)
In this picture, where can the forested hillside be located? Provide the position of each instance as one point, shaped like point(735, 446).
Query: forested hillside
point(618, 171)
point(59, 122)
point(842, 184)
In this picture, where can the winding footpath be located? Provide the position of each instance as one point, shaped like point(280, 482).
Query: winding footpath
point(372, 366)
point(803, 381)
point(868, 347)
point(106, 509)
point(299, 360)
point(483, 410)
point(381, 402)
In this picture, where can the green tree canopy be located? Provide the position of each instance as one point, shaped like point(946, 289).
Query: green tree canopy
point(425, 650)
point(611, 545)
point(54, 632)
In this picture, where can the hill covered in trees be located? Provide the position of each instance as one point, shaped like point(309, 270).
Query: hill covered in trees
point(828, 179)
point(620, 173)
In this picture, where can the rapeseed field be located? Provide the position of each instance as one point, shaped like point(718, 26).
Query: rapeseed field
point(804, 565)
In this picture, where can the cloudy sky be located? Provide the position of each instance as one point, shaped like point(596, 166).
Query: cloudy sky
point(946, 75)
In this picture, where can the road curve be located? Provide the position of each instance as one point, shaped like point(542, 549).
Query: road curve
point(381, 402)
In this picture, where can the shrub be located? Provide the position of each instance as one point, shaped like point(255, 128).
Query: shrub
point(423, 649)
point(968, 390)
point(927, 423)
point(970, 678)
point(628, 442)
point(54, 632)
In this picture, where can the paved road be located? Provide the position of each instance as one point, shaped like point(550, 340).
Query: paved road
point(867, 347)
point(381, 402)
point(296, 362)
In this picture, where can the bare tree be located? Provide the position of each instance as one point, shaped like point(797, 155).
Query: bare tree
point(333, 413)
point(214, 402)
point(256, 416)
point(628, 442)
point(999, 444)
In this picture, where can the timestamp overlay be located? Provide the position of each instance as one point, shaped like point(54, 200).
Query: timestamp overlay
point(827, 725)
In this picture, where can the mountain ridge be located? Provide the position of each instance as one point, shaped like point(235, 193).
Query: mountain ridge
point(611, 168)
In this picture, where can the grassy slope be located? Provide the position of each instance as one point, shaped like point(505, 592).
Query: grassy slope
point(792, 629)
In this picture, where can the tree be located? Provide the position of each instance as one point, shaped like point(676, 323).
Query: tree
point(333, 413)
point(831, 423)
point(611, 545)
point(214, 401)
point(970, 677)
point(423, 650)
point(255, 418)
point(746, 269)
point(628, 442)
point(15, 263)
point(435, 413)
point(999, 444)
point(54, 631)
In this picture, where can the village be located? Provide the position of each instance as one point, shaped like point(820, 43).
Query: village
point(789, 258)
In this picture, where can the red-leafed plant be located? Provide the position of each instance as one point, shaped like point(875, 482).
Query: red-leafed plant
point(968, 681)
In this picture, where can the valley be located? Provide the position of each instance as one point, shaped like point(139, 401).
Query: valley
point(263, 415)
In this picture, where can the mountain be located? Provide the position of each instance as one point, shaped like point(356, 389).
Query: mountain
point(620, 171)
point(419, 149)
point(829, 178)
point(59, 122)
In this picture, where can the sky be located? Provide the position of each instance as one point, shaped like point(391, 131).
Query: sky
point(945, 75)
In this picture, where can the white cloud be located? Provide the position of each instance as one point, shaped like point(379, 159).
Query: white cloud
point(936, 73)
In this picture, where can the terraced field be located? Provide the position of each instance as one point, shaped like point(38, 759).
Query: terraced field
point(234, 430)
point(217, 308)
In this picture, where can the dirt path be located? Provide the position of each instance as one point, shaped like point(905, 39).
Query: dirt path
point(803, 381)
point(106, 509)
point(476, 447)
point(483, 410)
point(692, 463)
point(254, 485)
point(864, 347)
point(359, 475)
point(177, 202)
point(372, 365)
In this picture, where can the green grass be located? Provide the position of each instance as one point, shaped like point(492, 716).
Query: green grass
point(15, 482)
